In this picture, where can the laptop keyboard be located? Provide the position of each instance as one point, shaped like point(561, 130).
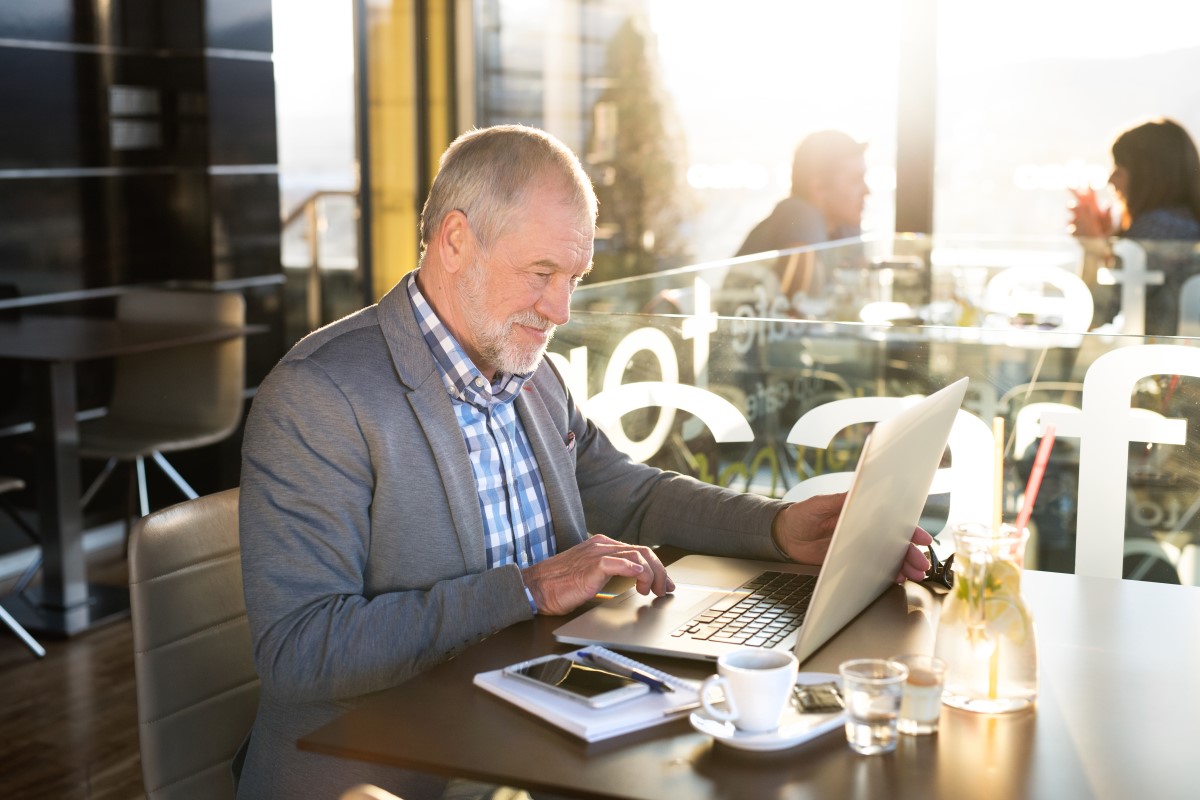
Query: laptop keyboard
point(759, 613)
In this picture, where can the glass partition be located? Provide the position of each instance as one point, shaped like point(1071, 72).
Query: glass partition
point(822, 281)
point(766, 402)
point(989, 283)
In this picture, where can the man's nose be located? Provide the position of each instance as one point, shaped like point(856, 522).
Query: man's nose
point(555, 302)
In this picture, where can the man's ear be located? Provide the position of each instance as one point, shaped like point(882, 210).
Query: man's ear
point(455, 242)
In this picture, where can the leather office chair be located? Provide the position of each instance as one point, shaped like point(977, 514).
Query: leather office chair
point(174, 399)
point(477, 791)
point(196, 685)
point(366, 791)
point(10, 484)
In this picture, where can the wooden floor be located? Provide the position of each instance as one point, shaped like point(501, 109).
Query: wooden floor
point(68, 722)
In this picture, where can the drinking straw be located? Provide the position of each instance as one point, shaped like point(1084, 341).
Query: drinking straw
point(997, 519)
point(1174, 384)
point(1031, 490)
point(998, 489)
point(1035, 476)
point(994, 670)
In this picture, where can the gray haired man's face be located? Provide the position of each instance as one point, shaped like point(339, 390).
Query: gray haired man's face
point(516, 293)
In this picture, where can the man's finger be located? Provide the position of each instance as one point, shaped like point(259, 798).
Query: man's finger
point(921, 536)
point(916, 559)
point(654, 578)
point(617, 565)
point(645, 579)
point(913, 566)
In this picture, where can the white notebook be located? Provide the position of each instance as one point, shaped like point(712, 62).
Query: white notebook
point(595, 724)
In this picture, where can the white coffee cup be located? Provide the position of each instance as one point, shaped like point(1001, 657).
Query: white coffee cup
point(756, 683)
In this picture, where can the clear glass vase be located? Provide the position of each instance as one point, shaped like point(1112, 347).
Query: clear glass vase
point(985, 633)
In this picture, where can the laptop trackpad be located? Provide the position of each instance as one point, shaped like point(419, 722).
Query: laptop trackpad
point(640, 616)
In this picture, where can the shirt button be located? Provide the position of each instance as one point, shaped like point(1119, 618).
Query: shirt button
point(479, 382)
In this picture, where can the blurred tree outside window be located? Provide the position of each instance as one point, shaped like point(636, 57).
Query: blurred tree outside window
point(637, 163)
point(686, 113)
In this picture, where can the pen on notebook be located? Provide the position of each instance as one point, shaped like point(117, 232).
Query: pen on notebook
point(629, 672)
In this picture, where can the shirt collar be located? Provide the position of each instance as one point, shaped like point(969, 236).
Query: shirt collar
point(462, 378)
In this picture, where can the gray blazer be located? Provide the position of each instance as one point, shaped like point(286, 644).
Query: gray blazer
point(362, 537)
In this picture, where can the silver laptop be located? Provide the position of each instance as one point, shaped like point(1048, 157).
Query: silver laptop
point(722, 603)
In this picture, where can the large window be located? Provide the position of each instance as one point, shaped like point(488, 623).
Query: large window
point(750, 79)
point(318, 162)
point(1031, 95)
point(687, 113)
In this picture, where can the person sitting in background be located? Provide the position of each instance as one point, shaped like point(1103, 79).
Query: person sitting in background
point(1156, 176)
point(829, 191)
point(1156, 179)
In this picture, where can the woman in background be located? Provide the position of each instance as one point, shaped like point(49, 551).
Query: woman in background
point(1156, 178)
point(1156, 181)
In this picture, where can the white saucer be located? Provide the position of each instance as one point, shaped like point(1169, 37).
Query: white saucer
point(793, 729)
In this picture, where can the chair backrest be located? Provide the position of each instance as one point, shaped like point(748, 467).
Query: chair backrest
point(367, 791)
point(201, 384)
point(196, 685)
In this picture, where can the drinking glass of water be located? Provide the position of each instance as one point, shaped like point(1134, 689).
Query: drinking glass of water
point(872, 688)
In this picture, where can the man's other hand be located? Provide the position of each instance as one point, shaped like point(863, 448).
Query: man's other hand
point(562, 583)
point(803, 530)
point(915, 564)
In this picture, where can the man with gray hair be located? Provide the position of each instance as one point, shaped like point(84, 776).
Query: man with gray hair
point(416, 476)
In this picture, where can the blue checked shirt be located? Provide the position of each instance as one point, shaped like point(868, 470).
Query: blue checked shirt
point(512, 496)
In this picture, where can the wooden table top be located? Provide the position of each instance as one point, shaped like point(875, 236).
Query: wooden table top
point(1116, 715)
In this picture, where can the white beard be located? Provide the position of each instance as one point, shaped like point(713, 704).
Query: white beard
point(494, 338)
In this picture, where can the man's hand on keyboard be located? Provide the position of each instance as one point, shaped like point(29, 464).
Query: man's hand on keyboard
point(561, 583)
point(802, 532)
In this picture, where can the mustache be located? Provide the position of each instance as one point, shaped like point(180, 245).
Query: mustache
point(531, 319)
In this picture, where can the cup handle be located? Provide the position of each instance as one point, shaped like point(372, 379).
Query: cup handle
point(727, 714)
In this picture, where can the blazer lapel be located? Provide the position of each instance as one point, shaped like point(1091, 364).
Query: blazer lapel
point(555, 466)
point(435, 414)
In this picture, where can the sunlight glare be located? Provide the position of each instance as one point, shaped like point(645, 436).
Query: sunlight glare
point(801, 65)
point(979, 33)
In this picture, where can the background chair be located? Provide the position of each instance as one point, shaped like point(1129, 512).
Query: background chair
point(367, 792)
point(170, 400)
point(10, 484)
point(196, 685)
point(458, 789)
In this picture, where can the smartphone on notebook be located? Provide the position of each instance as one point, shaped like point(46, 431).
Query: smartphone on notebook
point(587, 684)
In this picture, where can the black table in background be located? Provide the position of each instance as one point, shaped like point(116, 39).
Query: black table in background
point(65, 603)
